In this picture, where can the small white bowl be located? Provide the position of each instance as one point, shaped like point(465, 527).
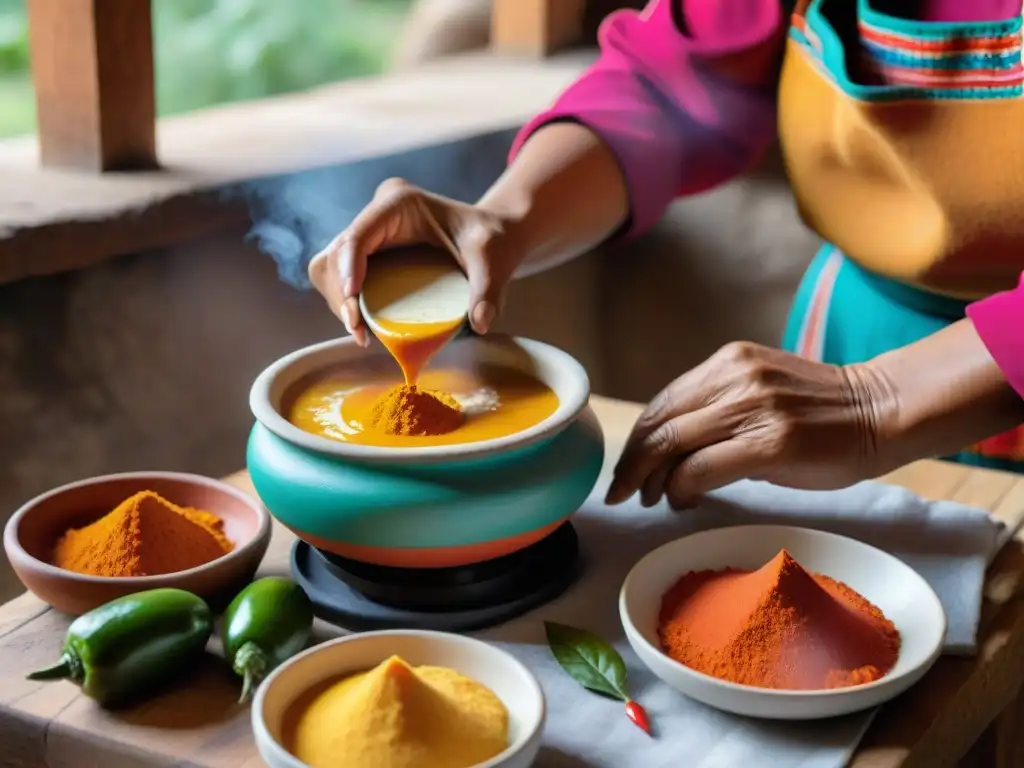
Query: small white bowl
point(512, 682)
point(905, 598)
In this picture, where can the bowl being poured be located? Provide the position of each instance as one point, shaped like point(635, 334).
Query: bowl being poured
point(415, 301)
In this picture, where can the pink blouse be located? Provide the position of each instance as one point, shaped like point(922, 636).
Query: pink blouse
point(999, 320)
point(684, 96)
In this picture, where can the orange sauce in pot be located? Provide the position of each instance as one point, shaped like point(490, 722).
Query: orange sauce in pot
point(496, 401)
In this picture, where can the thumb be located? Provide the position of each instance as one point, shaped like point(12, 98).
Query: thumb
point(482, 314)
point(486, 288)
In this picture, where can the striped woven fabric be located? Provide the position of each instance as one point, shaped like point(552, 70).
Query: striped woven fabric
point(947, 57)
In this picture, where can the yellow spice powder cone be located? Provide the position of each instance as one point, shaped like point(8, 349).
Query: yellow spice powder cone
point(396, 716)
point(145, 535)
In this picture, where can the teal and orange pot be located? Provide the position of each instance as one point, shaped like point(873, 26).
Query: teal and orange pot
point(432, 506)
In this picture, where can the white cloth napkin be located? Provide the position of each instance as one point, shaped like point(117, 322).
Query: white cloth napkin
point(949, 544)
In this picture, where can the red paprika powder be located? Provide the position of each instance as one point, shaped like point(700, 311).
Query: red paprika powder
point(777, 627)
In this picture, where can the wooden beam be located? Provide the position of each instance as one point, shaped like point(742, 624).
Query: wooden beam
point(536, 27)
point(54, 220)
point(92, 66)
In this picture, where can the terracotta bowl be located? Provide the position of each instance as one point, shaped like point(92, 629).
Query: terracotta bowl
point(33, 531)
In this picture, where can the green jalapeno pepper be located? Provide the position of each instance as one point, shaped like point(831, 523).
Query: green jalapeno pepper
point(132, 645)
point(266, 623)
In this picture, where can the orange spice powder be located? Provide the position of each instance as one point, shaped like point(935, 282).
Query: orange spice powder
point(145, 535)
point(408, 410)
point(778, 627)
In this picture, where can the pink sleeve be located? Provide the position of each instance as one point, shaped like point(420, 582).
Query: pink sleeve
point(999, 320)
point(683, 94)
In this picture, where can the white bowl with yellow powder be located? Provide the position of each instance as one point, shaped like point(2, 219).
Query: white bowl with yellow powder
point(422, 700)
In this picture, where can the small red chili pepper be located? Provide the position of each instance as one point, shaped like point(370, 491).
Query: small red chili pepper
point(638, 715)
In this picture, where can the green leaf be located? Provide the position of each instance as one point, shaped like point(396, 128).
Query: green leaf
point(590, 661)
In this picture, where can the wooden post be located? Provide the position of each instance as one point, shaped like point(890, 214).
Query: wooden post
point(92, 66)
point(536, 27)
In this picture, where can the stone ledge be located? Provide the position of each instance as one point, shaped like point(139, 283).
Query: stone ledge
point(53, 221)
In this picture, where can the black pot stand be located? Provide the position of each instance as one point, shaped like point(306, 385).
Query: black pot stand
point(359, 596)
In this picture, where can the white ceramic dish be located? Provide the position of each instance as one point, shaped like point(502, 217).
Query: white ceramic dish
point(437, 294)
point(905, 598)
point(513, 683)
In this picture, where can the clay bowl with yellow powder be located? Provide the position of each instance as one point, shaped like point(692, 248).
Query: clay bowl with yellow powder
point(285, 702)
point(522, 461)
point(33, 532)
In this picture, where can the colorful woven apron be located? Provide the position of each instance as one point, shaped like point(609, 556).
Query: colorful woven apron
point(843, 314)
point(902, 149)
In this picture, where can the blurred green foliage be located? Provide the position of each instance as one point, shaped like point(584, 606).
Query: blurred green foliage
point(214, 51)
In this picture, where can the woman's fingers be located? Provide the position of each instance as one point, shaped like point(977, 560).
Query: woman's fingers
point(708, 469)
point(324, 277)
point(485, 286)
point(645, 453)
point(687, 393)
point(654, 486)
point(656, 438)
point(391, 219)
point(488, 267)
point(352, 317)
point(401, 214)
point(367, 233)
point(387, 222)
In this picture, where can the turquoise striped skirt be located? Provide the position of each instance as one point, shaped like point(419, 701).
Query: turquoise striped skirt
point(843, 314)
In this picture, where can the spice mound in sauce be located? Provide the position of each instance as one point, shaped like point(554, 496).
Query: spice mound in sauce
point(409, 410)
point(397, 716)
point(778, 627)
point(145, 535)
point(492, 401)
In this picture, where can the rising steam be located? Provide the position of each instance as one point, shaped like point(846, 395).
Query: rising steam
point(296, 216)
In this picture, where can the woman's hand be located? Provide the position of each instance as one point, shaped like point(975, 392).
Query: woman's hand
point(760, 413)
point(401, 214)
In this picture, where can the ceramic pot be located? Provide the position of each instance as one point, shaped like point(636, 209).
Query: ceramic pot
point(427, 507)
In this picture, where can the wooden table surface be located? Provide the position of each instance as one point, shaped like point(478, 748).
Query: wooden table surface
point(200, 724)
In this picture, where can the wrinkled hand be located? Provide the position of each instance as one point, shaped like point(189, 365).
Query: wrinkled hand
point(754, 412)
point(401, 214)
